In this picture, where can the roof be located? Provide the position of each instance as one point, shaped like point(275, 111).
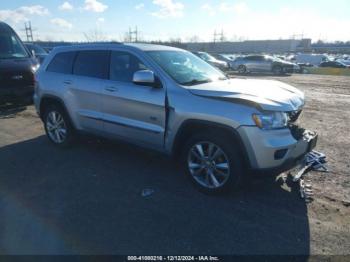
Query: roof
point(151, 47)
point(142, 47)
point(4, 26)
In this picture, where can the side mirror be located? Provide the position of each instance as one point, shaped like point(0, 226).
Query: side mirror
point(144, 78)
point(33, 53)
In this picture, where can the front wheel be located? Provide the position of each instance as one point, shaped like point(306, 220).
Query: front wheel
point(58, 127)
point(212, 163)
point(277, 70)
point(242, 69)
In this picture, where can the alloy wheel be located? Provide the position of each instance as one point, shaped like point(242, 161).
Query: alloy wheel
point(208, 165)
point(56, 127)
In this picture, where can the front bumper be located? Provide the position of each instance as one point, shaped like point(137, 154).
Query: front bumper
point(288, 69)
point(275, 149)
point(13, 93)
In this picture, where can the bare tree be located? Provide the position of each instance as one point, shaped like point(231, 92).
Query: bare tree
point(193, 39)
point(95, 35)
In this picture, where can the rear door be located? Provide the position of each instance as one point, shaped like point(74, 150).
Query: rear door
point(133, 112)
point(90, 72)
point(251, 63)
point(261, 64)
point(266, 64)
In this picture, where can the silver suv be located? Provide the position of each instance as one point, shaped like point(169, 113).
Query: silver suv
point(169, 100)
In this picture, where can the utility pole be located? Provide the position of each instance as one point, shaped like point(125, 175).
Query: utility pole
point(219, 37)
point(29, 31)
point(133, 35)
point(222, 37)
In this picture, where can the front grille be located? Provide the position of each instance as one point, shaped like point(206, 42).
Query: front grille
point(294, 116)
point(15, 79)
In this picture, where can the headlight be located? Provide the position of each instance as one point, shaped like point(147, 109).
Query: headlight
point(35, 68)
point(271, 120)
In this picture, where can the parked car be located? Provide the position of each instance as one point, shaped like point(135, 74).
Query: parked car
point(169, 100)
point(222, 65)
point(37, 51)
point(17, 67)
point(226, 58)
point(264, 63)
point(334, 64)
point(343, 61)
point(314, 59)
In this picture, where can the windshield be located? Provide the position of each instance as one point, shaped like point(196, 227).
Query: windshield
point(11, 46)
point(186, 68)
point(37, 49)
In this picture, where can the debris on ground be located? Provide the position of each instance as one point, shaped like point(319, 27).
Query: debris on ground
point(313, 161)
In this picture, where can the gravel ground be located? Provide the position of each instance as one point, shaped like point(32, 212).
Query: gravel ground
point(87, 200)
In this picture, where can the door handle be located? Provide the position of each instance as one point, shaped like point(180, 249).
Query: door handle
point(67, 82)
point(111, 89)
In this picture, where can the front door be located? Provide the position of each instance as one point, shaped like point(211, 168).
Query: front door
point(133, 112)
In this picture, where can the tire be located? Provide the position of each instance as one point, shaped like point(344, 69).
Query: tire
point(277, 70)
point(242, 69)
point(220, 173)
point(58, 127)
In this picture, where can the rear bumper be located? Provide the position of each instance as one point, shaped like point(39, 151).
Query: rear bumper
point(274, 150)
point(13, 93)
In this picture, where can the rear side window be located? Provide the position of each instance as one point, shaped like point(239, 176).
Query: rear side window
point(62, 63)
point(92, 64)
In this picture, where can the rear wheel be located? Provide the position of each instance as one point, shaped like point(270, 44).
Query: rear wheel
point(57, 125)
point(212, 163)
point(242, 69)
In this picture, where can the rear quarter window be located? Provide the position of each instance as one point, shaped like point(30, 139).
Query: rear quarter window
point(62, 63)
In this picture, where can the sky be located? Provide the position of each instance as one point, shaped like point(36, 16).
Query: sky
point(188, 20)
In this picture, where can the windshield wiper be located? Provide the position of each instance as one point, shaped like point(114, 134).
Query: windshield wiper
point(196, 82)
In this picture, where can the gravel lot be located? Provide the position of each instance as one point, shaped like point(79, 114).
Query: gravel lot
point(88, 199)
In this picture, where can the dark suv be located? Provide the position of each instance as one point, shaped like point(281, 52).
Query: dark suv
point(17, 67)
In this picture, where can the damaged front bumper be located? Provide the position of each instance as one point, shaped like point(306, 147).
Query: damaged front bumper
point(277, 150)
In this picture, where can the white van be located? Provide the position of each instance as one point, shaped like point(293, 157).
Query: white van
point(314, 59)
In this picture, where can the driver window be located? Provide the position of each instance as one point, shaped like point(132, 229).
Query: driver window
point(123, 66)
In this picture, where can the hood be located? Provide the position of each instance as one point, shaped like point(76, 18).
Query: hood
point(218, 62)
point(286, 63)
point(269, 95)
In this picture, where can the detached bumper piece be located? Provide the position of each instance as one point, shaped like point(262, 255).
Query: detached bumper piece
point(313, 161)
